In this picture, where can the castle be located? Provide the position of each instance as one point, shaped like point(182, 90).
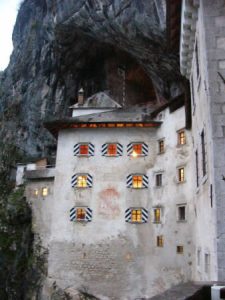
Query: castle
point(135, 203)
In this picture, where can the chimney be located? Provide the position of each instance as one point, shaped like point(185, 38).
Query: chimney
point(81, 97)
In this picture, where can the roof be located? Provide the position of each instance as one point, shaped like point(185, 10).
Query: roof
point(98, 100)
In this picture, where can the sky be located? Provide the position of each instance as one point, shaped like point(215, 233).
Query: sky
point(8, 12)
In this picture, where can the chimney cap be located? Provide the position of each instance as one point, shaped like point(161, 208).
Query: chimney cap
point(81, 91)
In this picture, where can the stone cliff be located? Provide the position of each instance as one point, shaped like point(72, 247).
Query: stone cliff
point(60, 46)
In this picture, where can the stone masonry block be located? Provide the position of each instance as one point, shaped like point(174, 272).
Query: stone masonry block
point(220, 21)
point(220, 42)
point(221, 64)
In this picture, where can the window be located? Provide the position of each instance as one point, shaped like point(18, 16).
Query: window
point(158, 180)
point(181, 137)
point(80, 214)
point(196, 168)
point(159, 241)
point(136, 215)
point(196, 60)
point(199, 257)
point(36, 192)
point(112, 149)
point(157, 215)
point(81, 181)
point(83, 149)
point(181, 177)
point(137, 181)
point(192, 93)
point(180, 249)
point(137, 149)
point(181, 213)
point(161, 146)
point(203, 153)
point(207, 262)
point(44, 191)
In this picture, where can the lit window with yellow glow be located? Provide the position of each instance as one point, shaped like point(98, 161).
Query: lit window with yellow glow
point(112, 150)
point(136, 215)
point(181, 137)
point(181, 175)
point(82, 181)
point(80, 214)
point(157, 215)
point(84, 149)
point(45, 191)
point(161, 146)
point(36, 192)
point(159, 241)
point(137, 181)
point(137, 150)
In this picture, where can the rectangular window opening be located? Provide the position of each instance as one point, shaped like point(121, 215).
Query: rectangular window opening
point(181, 213)
point(158, 180)
point(207, 262)
point(181, 177)
point(159, 241)
point(199, 257)
point(82, 181)
point(180, 249)
point(44, 191)
point(36, 192)
point(112, 150)
point(80, 214)
point(136, 215)
point(84, 149)
point(137, 181)
point(137, 150)
point(161, 146)
point(157, 215)
point(181, 137)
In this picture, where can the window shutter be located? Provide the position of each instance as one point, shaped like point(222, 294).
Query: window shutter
point(145, 181)
point(144, 215)
point(129, 149)
point(104, 149)
point(144, 149)
point(88, 216)
point(74, 180)
point(73, 214)
point(76, 149)
point(91, 149)
point(128, 215)
point(129, 181)
point(119, 149)
point(89, 180)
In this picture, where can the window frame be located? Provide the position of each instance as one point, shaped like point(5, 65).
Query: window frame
point(161, 149)
point(86, 145)
point(116, 146)
point(136, 209)
point(43, 193)
point(160, 241)
point(179, 219)
point(180, 249)
point(105, 151)
point(74, 181)
point(157, 180)
point(87, 211)
point(157, 218)
point(35, 192)
point(181, 178)
point(181, 140)
point(203, 149)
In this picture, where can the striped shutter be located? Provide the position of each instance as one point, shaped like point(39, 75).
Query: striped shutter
point(129, 181)
point(144, 215)
point(119, 149)
point(74, 180)
point(76, 149)
point(88, 214)
point(144, 148)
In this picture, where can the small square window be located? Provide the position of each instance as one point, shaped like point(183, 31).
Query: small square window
point(180, 249)
point(181, 177)
point(181, 137)
point(35, 192)
point(44, 191)
point(82, 181)
point(112, 150)
point(158, 180)
point(80, 214)
point(137, 182)
point(157, 215)
point(84, 149)
point(161, 146)
point(136, 215)
point(159, 241)
point(181, 213)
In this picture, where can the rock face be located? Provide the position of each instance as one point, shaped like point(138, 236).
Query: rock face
point(60, 46)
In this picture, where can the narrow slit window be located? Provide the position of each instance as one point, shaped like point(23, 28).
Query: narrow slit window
point(207, 262)
point(159, 241)
point(112, 150)
point(137, 182)
point(181, 137)
point(157, 215)
point(181, 175)
point(44, 191)
point(158, 180)
point(161, 146)
point(136, 215)
point(203, 153)
point(196, 168)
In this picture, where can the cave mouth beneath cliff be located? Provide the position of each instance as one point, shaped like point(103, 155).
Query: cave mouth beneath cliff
point(97, 66)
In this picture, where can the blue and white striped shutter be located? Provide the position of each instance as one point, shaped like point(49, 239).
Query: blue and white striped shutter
point(91, 149)
point(119, 149)
point(145, 181)
point(73, 212)
point(144, 148)
point(76, 149)
point(104, 149)
point(144, 215)
point(128, 215)
point(89, 180)
point(129, 181)
point(88, 215)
